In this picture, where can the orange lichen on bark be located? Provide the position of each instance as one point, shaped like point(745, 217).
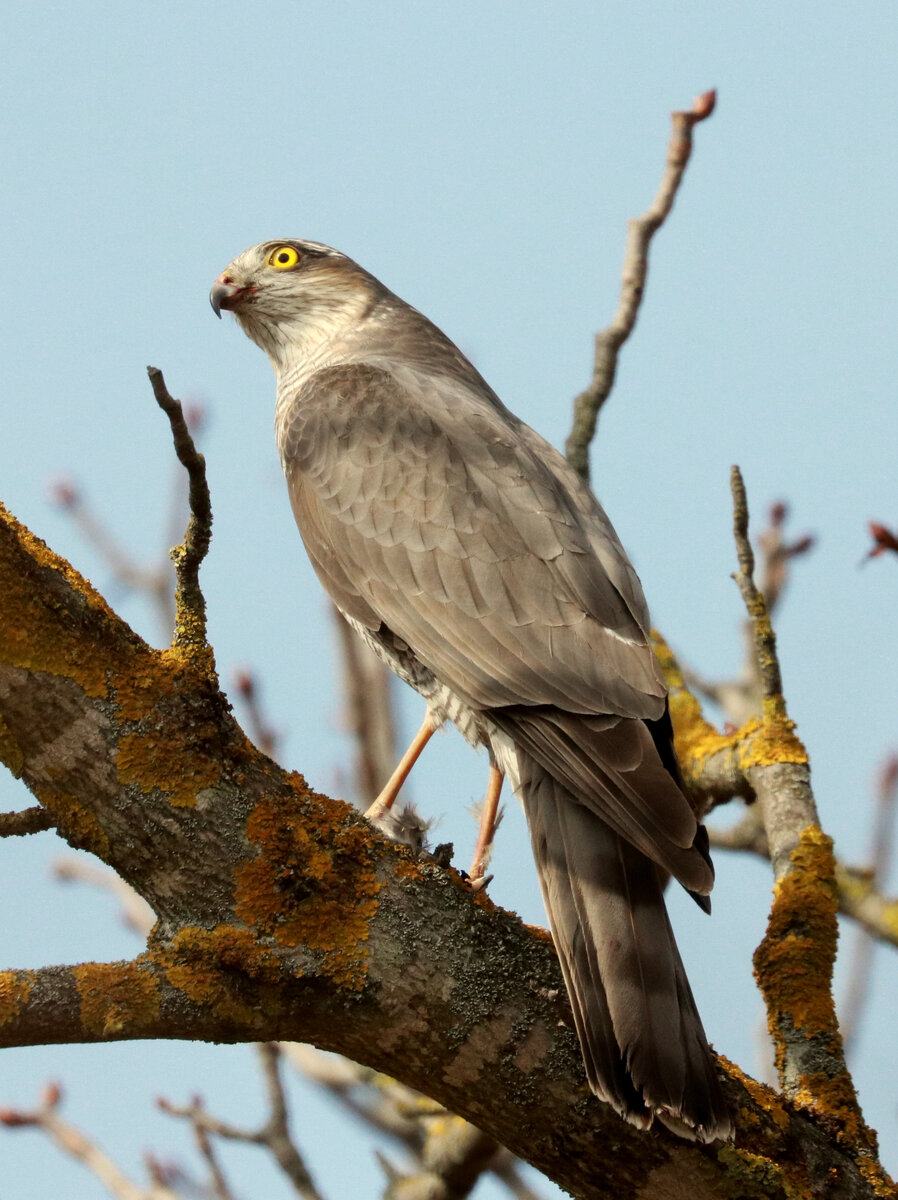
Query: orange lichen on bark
point(762, 741)
point(117, 999)
point(793, 964)
point(79, 824)
point(37, 633)
point(225, 969)
point(767, 740)
point(173, 762)
point(793, 967)
point(313, 882)
point(696, 739)
point(14, 993)
point(766, 1099)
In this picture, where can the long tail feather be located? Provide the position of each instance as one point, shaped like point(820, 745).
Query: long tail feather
point(639, 1029)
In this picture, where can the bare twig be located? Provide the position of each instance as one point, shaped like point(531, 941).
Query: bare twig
point(218, 1184)
point(398, 1112)
point(30, 820)
point(135, 911)
point(156, 582)
point(77, 1145)
point(748, 834)
point(759, 616)
point(381, 1103)
point(263, 733)
point(190, 604)
point(274, 1134)
point(635, 270)
point(454, 1156)
point(370, 715)
point(777, 554)
point(861, 969)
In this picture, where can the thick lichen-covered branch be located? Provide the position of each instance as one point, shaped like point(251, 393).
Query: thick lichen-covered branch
point(794, 962)
point(641, 230)
point(282, 915)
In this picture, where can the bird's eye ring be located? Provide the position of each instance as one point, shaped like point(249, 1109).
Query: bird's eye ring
point(283, 258)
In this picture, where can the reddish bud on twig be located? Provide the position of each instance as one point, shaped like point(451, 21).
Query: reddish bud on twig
point(64, 493)
point(245, 683)
point(704, 105)
point(52, 1095)
point(779, 510)
point(883, 539)
point(11, 1118)
point(195, 417)
point(888, 779)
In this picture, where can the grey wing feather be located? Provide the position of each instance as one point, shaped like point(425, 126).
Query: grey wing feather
point(423, 507)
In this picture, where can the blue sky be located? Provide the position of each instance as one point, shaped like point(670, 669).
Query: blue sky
point(483, 160)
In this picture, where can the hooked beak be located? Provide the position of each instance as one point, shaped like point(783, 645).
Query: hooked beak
point(226, 294)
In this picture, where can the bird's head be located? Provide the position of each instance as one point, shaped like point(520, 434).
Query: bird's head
point(293, 296)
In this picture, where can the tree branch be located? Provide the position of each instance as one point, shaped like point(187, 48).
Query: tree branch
point(29, 820)
point(284, 916)
point(641, 230)
point(190, 604)
point(77, 1145)
point(794, 962)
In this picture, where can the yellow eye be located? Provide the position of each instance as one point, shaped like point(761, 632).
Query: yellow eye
point(283, 258)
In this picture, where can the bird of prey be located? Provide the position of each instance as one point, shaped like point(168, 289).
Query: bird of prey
point(468, 553)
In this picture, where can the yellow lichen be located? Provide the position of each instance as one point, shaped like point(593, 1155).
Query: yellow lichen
point(14, 993)
point(37, 632)
point(79, 824)
point(312, 883)
point(225, 969)
point(171, 762)
point(793, 964)
point(764, 1097)
point(117, 999)
point(793, 967)
point(769, 740)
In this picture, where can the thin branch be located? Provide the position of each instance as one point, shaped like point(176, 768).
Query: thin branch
point(861, 969)
point(641, 230)
point(454, 1157)
point(190, 604)
point(759, 616)
point(370, 711)
point(380, 1102)
point(794, 962)
point(136, 913)
point(30, 820)
point(77, 1145)
point(859, 900)
point(777, 554)
point(155, 582)
point(274, 1134)
point(218, 1184)
point(263, 733)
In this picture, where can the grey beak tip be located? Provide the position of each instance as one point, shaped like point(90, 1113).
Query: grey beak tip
point(215, 302)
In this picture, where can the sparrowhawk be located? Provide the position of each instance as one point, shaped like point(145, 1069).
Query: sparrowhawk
point(469, 554)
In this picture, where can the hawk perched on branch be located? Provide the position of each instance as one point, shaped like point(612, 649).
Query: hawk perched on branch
point(469, 554)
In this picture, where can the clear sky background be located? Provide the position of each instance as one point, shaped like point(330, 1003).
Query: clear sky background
point(482, 159)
